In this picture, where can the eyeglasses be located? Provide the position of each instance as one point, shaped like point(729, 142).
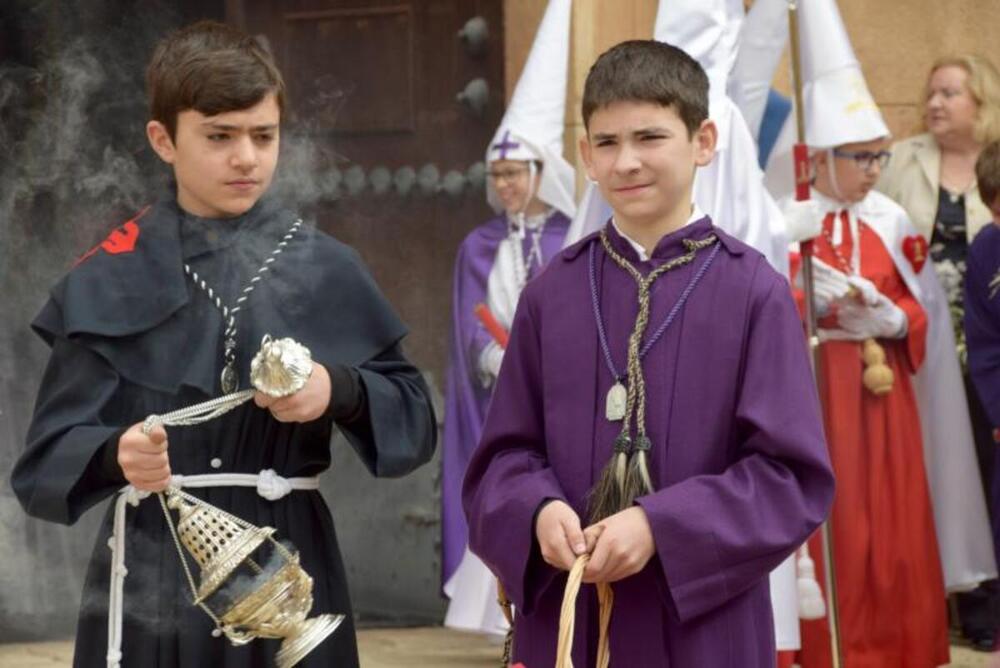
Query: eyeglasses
point(507, 175)
point(865, 159)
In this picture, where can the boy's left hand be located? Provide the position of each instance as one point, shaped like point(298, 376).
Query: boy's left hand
point(624, 546)
point(306, 405)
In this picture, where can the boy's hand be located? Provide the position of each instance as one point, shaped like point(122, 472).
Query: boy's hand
point(306, 405)
point(559, 535)
point(143, 458)
point(623, 545)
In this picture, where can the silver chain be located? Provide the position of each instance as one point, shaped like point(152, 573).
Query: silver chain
point(203, 412)
point(229, 378)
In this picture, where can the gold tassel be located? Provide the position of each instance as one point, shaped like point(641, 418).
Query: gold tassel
point(877, 377)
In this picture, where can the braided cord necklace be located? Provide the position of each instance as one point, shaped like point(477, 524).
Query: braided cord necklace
point(625, 479)
point(515, 233)
point(845, 264)
point(229, 379)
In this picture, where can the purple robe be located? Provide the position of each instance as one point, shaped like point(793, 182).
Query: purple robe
point(466, 400)
point(982, 336)
point(738, 456)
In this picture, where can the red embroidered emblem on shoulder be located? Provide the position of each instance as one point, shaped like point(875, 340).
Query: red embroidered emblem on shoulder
point(121, 240)
point(915, 250)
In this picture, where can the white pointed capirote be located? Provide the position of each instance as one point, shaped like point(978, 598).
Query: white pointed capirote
point(839, 108)
point(532, 127)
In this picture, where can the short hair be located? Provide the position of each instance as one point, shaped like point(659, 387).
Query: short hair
point(988, 173)
point(648, 71)
point(212, 68)
point(984, 85)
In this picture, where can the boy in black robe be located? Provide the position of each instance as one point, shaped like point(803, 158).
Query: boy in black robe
point(167, 312)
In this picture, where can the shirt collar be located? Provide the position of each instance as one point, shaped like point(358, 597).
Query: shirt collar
point(640, 251)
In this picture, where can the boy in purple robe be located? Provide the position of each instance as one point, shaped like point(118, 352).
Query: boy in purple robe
point(656, 390)
point(982, 309)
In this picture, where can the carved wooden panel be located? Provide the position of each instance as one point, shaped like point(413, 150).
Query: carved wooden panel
point(351, 70)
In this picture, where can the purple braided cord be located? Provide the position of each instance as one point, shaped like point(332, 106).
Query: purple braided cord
point(602, 335)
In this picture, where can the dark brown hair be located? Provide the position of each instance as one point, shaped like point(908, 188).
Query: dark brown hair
point(988, 173)
point(648, 71)
point(212, 68)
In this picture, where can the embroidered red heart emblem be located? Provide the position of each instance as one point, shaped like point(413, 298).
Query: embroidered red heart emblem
point(915, 250)
point(122, 239)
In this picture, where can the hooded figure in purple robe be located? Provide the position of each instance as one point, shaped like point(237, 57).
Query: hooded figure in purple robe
point(531, 188)
point(731, 439)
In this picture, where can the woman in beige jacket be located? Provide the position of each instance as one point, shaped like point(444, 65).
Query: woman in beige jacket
point(932, 175)
point(961, 115)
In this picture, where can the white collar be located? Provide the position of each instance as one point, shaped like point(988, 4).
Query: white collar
point(828, 204)
point(696, 215)
point(532, 222)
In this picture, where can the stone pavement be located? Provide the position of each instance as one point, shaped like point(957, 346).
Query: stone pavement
point(427, 647)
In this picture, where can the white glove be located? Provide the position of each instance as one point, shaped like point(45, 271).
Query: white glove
point(868, 292)
point(829, 285)
point(803, 220)
point(882, 320)
point(490, 360)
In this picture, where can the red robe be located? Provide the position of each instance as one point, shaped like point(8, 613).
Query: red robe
point(890, 586)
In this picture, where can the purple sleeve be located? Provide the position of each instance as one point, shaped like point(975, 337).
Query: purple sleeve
point(982, 334)
point(509, 476)
point(718, 535)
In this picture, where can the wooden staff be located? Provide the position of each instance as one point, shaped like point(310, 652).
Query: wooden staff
point(802, 183)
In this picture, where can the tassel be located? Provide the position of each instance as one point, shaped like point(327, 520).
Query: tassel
point(605, 498)
point(637, 481)
point(811, 603)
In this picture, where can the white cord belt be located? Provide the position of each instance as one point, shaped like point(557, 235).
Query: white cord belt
point(270, 486)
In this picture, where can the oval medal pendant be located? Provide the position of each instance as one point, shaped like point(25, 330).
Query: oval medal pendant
point(228, 379)
point(614, 405)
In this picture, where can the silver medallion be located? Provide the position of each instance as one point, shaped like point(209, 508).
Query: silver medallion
point(614, 405)
point(228, 379)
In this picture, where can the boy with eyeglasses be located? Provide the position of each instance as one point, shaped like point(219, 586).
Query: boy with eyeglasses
point(868, 297)
point(901, 534)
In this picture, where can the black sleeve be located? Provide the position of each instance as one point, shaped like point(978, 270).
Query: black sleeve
point(347, 395)
point(391, 425)
point(70, 462)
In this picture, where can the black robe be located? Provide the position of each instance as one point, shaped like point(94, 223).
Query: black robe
point(132, 335)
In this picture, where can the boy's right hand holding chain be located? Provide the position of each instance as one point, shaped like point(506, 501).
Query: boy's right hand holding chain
point(143, 458)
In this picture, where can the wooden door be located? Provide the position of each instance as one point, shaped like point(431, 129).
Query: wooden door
point(372, 88)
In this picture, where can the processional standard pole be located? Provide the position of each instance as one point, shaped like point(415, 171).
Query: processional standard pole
point(802, 183)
